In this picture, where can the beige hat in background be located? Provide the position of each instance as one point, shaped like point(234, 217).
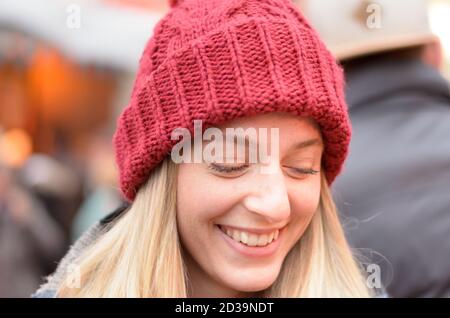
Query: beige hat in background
point(353, 28)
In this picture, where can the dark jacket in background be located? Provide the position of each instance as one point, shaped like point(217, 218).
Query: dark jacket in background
point(394, 193)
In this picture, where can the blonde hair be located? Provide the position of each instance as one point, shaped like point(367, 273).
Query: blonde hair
point(140, 254)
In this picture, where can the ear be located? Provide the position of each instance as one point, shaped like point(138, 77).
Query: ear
point(433, 54)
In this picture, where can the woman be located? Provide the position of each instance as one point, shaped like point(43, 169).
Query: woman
point(219, 228)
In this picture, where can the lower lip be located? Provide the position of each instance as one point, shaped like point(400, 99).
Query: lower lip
point(253, 251)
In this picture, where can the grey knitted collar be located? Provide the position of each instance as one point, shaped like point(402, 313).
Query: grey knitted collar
point(52, 282)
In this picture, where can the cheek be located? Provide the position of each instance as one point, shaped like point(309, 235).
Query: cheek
point(201, 199)
point(192, 203)
point(199, 195)
point(311, 197)
point(305, 196)
point(304, 200)
point(194, 209)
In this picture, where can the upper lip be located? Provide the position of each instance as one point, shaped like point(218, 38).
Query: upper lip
point(253, 230)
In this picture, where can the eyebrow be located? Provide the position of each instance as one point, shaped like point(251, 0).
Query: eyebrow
point(307, 143)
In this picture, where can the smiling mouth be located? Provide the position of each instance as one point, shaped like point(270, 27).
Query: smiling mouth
point(250, 239)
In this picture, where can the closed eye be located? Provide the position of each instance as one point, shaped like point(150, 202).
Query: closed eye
point(302, 171)
point(228, 169)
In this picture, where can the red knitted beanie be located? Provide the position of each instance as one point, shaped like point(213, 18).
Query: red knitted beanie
point(216, 60)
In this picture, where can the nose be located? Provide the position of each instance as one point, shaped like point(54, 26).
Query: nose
point(269, 196)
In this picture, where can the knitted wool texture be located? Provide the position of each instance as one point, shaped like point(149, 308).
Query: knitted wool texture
point(216, 60)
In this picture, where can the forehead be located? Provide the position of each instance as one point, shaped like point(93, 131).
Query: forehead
point(290, 126)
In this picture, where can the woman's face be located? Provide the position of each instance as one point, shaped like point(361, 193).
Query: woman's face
point(238, 221)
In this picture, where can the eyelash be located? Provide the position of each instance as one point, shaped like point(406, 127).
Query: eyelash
point(223, 169)
point(305, 171)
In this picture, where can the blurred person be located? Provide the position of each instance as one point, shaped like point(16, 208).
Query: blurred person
point(57, 184)
point(30, 241)
point(102, 195)
point(215, 229)
point(395, 190)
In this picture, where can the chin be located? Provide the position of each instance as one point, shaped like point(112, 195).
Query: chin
point(254, 282)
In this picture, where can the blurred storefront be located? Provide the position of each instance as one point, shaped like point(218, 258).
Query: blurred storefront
point(58, 87)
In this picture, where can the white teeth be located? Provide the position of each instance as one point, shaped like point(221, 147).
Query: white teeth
point(244, 237)
point(270, 237)
point(236, 236)
point(263, 240)
point(251, 239)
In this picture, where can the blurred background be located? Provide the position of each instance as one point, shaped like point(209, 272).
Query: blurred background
point(66, 73)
